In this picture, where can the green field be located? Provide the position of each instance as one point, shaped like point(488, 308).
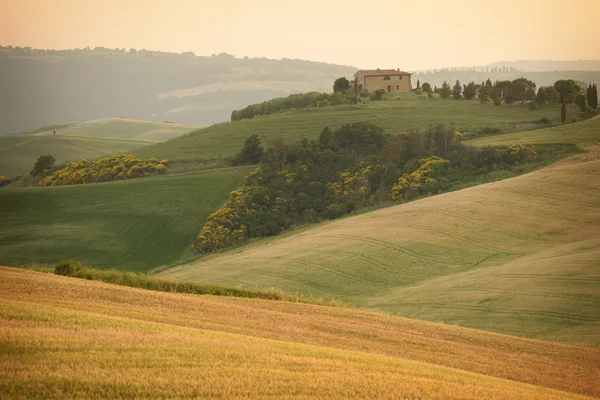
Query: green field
point(519, 256)
point(89, 140)
point(71, 338)
point(121, 128)
point(136, 224)
point(396, 116)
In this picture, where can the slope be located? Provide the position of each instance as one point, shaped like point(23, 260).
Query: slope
point(66, 337)
point(121, 128)
point(519, 256)
point(136, 224)
point(18, 153)
point(396, 116)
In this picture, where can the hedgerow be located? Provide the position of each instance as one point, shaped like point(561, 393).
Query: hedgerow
point(118, 167)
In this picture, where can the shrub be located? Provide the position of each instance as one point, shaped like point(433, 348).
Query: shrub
point(418, 91)
point(497, 101)
point(68, 268)
point(164, 162)
point(42, 164)
point(160, 168)
point(533, 105)
point(378, 95)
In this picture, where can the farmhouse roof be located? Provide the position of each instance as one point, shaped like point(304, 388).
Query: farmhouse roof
point(378, 72)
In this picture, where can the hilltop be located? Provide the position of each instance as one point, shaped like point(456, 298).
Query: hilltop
point(81, 140)
point(214, 345)
point(518, 256)
point(394, 115)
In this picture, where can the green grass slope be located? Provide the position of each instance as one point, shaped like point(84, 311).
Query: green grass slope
point(136, 224)
point(121, 128)
point(519, 256)
point(65, 337)
point(396, 116)
point(18, 153)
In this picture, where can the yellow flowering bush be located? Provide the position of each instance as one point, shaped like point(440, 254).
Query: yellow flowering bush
point(421, 180)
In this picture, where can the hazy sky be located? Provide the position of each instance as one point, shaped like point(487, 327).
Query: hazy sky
point(402, 34)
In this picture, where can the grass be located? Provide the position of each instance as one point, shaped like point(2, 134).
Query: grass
point(89, 140)
point(64, 337)
point(136, 225)
point(519, 256)
point(122, 128)
point(396, 116)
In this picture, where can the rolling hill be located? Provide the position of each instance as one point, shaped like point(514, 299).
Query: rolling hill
point(67, 337)
point(89, 140)
point(519, 256)
point(136, 224)
point(396, 116)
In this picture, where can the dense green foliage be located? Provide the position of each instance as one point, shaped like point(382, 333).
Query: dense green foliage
point(136, 224)
point(115, 168)
point(341, 85)
point(343, 171)
point(592, 96)
point(294, 101)
point(250, 153)
point(42, 164)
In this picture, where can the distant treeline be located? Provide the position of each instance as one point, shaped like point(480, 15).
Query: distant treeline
point(294, 101)
point(345, 170)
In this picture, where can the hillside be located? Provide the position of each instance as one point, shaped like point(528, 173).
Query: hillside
point(82, 140)
point(67, 337)
point(518, 256)
point(137, 224)
point(121, 128)
point(396, 116)
point(53, 86)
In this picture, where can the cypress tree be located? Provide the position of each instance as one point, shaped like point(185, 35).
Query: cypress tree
point(418, 84)
point(594, 97)
point(563, 113)
point(589, 95)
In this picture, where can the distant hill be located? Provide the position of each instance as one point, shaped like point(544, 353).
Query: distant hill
point(89, 140)
point(518, 256)
point(42, 87)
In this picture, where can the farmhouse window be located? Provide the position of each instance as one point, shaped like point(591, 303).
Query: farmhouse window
point(387, 78)
point(397, 87)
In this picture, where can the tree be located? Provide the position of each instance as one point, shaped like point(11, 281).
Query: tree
point(553, 95)
point(530, 94)
point(418, 83)
point(43, 163)
point(497, 101)
point(593, 100)
point(470, 91)
point(563, 113)
point(341, 85)
point(445, 90)
point(542, 96)
point(580, 101)
point(568, 89)
point(457, 91)
point(533, 105)
point(251, 152)
point(426, 87)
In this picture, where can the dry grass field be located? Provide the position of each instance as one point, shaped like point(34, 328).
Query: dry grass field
point(66, 337)
point(519, 256)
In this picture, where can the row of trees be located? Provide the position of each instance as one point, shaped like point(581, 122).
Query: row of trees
point(118, 167)
point(355, 166)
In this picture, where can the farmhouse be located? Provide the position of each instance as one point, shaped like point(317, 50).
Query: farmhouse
point(390, 80)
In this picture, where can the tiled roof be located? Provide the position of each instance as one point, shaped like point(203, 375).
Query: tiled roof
point(378, 72)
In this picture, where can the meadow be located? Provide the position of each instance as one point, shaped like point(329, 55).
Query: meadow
point(123, 128)
point(84, 140)
point(104, 340)
point(136, 225)
point(395, 116)
point(518, 256)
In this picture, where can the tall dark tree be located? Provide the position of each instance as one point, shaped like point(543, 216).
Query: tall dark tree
point(418, 84)
point(568, 90)
point(594, 97)
point(341, 85)
point(426, 87)
point(469, 91)
point(251, 152)
point(563, 113)
point(542, 96)
point(457, 91)
point(445, 90)
point(580, 101)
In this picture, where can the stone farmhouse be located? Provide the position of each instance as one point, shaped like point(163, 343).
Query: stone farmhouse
point(390, 80)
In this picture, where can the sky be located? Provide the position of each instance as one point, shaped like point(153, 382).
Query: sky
point(411, 35)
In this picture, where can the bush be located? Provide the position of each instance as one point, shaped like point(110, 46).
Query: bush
point(533, 105)
point(68, 268)
point(378, 95)
point(42, 164)
point(160, 168)
point(497, 101)
point(164, 162)
point(418, 91)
